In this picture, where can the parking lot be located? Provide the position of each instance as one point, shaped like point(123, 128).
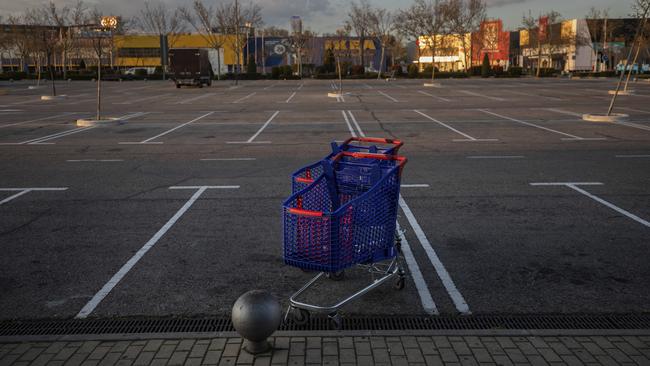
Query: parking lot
point(510, 202)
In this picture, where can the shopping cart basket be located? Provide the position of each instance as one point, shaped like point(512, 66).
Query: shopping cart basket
point(306, 175)
point(345, 218)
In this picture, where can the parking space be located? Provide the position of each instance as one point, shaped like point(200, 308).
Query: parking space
point(511, 203)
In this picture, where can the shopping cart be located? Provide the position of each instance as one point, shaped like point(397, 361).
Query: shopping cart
point(346, 217)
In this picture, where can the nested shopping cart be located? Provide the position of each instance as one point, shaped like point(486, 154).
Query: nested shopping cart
point(344, 217)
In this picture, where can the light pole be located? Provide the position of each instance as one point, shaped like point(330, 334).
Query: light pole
point(107, 24)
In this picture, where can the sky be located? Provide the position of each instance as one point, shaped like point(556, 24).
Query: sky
point(328, 15)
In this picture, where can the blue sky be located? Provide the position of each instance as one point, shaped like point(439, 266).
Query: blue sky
point(327, 15)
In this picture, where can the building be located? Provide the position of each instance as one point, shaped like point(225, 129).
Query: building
point(493, 41)
point(452, 52)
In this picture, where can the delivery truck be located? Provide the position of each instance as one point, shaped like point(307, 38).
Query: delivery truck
point(190, 66)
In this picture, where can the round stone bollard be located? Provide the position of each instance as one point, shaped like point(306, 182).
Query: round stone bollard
point(255, 316)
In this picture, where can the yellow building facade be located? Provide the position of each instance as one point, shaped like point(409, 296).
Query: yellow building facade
point(452, 52)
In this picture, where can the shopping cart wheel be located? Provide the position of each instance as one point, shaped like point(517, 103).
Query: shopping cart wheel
point(398, 244)
point(335, 320)
point(299, 316)
point(401, 280)
point(336, 276)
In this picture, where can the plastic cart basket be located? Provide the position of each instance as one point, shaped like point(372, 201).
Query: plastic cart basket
point(343, 219)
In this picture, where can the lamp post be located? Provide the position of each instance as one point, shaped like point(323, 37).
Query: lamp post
point(107, 24)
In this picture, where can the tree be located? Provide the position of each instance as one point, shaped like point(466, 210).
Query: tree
point(409, 23)
point(203, 19)
point(465, 17)
point(251, 66)
point(597, 25)
point(383, 26)
point(273, 31)
point(434, 23)
point(232, 18)
point(330, 61)
point(160, 20)
point(485, 67)
point(360, 20)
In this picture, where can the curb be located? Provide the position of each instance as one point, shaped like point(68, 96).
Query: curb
point(53, 97)
point(622, 92)
point(598, 118)
point(101, 122)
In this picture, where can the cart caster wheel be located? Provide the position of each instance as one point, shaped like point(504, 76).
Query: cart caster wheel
point(400, 283)
point(335, 321)
point(336, 276)
point(299, 316)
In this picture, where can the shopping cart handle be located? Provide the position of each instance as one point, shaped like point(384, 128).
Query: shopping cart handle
point(395, 142)
point(304, 180)
point(400, 159)
point(301, 212)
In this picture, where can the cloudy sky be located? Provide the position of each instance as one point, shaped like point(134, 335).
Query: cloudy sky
point(327, 15)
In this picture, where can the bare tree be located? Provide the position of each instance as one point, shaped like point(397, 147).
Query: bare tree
point(465, 18)
point(409, 23)
point(434, 24)
point(203, 19)
point(597, 25)
point(383, 26)
point(273, 31)
point(160, 20)
point(359, 20)
point(232, 18)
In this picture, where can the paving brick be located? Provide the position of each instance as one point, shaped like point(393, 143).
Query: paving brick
point(55, 347)
point(193, 361)
point(448, 355)
point(602, 342)
point(606, 361)
point(144, 358)
point(152, 345)
point(281, 342)
point(217, 344)
point(570, 342)
point(494, 348)
point(537, 342)
point(231, 350)
point(280, 356)
point(481, 355)
point(627, 348)
point(64, 354)
point(365, 361)
point(380, 355)
point(120, 346)
point(396, 349)
point(414, 355)
point(505, 342)
point(346, 342)
point(330, 349)
point(362, 348)
point(76, 359)
point(537, 360)
point(43, 359)
point(378, 342)
point(185, 345)
point(640, 360)
point(262, 361)
point(527, 348)
point(296, 361)
point(98, 353)
point(21, 348)
point(461, 348)
point(124, 363)
point(313, 356)
point(635, 341)
point(572, 360)
point(31, 354)
point(468, 361)
point(132, 352)
point(441, 342)
point(347, 355)
point(90, 363)
point(549, 355)
point(165, 351)
point(618, 355)
point(171, 342)
point(297, 349)
point(330, 361)
point(245, 358)
point(227, 361)
point(502, 360)
point(428, 347)
point(110, 359)
point(515, 355)
point(410, 342)
point(313, 342)
point(433, 360)
point(178, 358)
point(399, 361)
point(198, 351)
point(560, 349)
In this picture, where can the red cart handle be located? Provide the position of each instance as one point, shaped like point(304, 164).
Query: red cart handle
point(301, 212)
point(396, 142)
point(401, 159)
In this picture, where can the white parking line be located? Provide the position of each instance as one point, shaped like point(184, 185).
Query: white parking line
point(455, 295)
point(110, 285)
point(270, 86)
point(354, 120)
point(575, 187)
point(291, 97)
point(36, 120)
point(434, 96)
point(388, 96)
point(365, 85)
point(149, 140)
point(529, 94)
point(252, 139)
point(41, 140)
point(347, 122)
point(570, 137)
point(482, 95)
point(244, 98)
point(23, 191)
point(95, 160)
point(229, 159)
point(444, 276)
point(415, 186)
point(468, 137)
point(634, 125)
point(426, 299)
point(496, 157)
point(301, 85)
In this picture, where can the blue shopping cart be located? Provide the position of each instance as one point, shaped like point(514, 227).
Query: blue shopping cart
point(344, 217)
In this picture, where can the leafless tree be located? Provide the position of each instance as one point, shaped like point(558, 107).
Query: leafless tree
point(360, 20)
point(409, 23)
point(465, 18)
point(434, 24)
point(233, 18)
point(162, 21)
point(597, 25)
point(203, 19)
point(383, 27)
point(273, 31)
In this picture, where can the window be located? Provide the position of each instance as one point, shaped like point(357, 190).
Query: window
point(138, 52)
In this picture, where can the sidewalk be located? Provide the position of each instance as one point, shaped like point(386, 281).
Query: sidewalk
point(343, 350)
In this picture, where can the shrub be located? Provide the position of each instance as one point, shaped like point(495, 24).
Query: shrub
point(413, 71)
point(275, 72)
point(398, 70)
point(485, 67)
point(475, 70)
point(515, 71)
point(251, 67)
point(357, 70)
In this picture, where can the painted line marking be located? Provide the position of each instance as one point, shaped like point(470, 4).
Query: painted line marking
point(108, 287)
point(415, 186)
point(244, 98)
point(176, 128)
point(571, 137)
point(634, 110)
point(251, 140)
point(94, 160)
point(347, 122)
point(229, 159)
point(291, 97)
point(426, 299)
point(575, 187)
point(633, 156)
point(356, 124)
point(529, 94)
point(57, 135)
point(634, 125)
point(300, 87)
point(270, 86)
point(434, 96)
point(497, 157)
point(468, 137)
point(443, 274)
point(23, 191)
point(561, 111)
point(143, 99)
point(36, 120)
point(388, 96)
point(482, 96)
point(365, 85)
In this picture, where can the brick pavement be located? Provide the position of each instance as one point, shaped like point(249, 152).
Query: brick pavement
point(298, 350)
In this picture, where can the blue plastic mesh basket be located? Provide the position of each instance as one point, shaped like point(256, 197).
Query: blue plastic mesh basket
point(320, 237)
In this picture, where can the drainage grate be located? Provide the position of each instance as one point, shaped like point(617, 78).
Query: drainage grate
point(353, 323)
